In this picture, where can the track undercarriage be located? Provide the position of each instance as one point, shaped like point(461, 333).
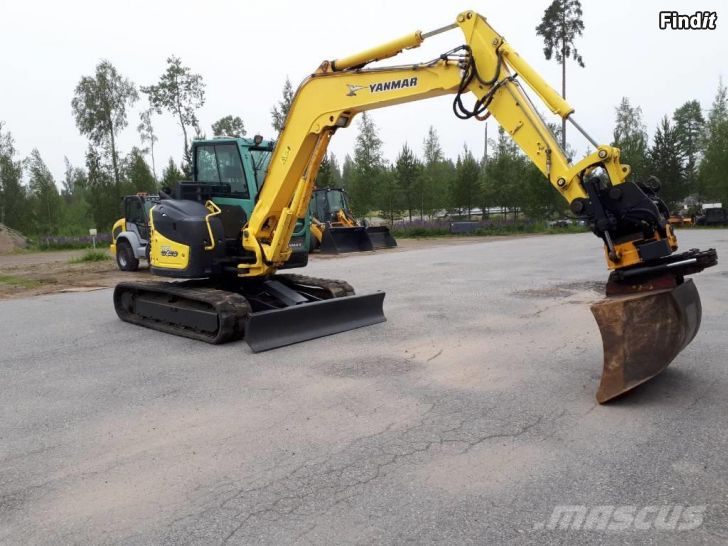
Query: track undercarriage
point(270, 313)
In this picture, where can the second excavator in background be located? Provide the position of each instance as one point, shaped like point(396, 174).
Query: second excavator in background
point(230, 230)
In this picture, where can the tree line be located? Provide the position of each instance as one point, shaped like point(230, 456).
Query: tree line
point(688, 153)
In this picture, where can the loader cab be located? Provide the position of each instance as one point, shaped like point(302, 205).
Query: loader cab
point(327, 203)
point(136, 213)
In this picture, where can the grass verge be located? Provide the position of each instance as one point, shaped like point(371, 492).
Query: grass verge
point(14, 280)
point(91, 255)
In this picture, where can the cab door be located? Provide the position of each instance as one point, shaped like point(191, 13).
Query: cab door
point(135, 216)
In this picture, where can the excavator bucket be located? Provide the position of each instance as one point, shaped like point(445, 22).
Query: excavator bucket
point(642, 333)
point(338, 240)
point(381, 237)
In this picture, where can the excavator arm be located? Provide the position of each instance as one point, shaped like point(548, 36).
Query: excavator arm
point(487, 67)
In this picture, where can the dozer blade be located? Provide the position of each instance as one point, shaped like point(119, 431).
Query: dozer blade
point(270, 329)
point(642, 333)
point(337, 240)
point(381, 237)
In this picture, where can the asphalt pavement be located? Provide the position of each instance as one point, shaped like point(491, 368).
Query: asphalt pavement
point(468, 417)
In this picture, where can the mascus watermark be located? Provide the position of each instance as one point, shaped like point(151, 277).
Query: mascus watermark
point(700, 20)
point(623, 518)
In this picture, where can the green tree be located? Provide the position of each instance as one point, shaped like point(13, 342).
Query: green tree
point(368, 166)
point(714, 164)
point(389, 196)
point(539, 199)
point(13, 194)
point(103, 195)
point(559, 27)
point(99, 106)
point(666, 163)
point(171, 175)
point(180, 92)
point(466, 187)
point(434, 184)
point(630, 136)
point(279, 113)
point(347, 173)
point(146, 133)
point(504, 175)
point(45, 198)
point(76, 216)
point(689, 126)
point(328, 175)
point(229, 126)
point(138, 175)
point(407, 173)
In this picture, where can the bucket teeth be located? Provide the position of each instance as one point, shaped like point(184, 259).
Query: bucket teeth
point(642, 333)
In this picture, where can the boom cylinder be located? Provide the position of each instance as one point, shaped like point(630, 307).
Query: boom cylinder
point(384, 51)
point(547, 93)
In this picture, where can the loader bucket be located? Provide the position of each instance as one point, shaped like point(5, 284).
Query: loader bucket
point(642, 333)
point(266, 330)
point(381, 237)
point(345, 239)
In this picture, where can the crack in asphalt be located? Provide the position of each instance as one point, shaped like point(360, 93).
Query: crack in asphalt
point(367, 459)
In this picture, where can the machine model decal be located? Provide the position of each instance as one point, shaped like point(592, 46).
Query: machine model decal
point(166, 251)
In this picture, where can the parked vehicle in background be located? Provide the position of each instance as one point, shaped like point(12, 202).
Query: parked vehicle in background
point(679, 218)
point(130, 234)
point(714, 216)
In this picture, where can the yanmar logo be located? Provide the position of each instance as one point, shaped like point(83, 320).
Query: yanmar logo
point(383, 86)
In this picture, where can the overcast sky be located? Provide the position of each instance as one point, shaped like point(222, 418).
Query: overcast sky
point(245, 50)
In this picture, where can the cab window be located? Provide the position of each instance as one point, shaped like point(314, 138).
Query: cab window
point(220, 164)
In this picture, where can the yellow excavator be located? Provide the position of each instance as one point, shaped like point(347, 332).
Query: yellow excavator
point(207, 231)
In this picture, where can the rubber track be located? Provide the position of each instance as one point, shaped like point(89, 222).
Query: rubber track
point(232, 308)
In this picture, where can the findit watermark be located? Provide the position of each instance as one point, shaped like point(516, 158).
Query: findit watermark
point(623, 518)
point(700, 20)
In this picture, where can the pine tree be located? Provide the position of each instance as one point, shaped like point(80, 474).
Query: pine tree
point(630, 136)
point(561, 24)
point(666, 163)
point(45, 198)
point(368, 166)
point(407, 173)
point(714, 164)
point(13, 194)
point(171, 175)
point(689, 125)
point(279, 113)
point(433, 185)
point(466, 187)
point(139, 177)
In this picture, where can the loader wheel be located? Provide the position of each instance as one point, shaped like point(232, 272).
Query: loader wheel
point(125, 258)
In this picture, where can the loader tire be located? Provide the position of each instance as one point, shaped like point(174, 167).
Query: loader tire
point(125, 258)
